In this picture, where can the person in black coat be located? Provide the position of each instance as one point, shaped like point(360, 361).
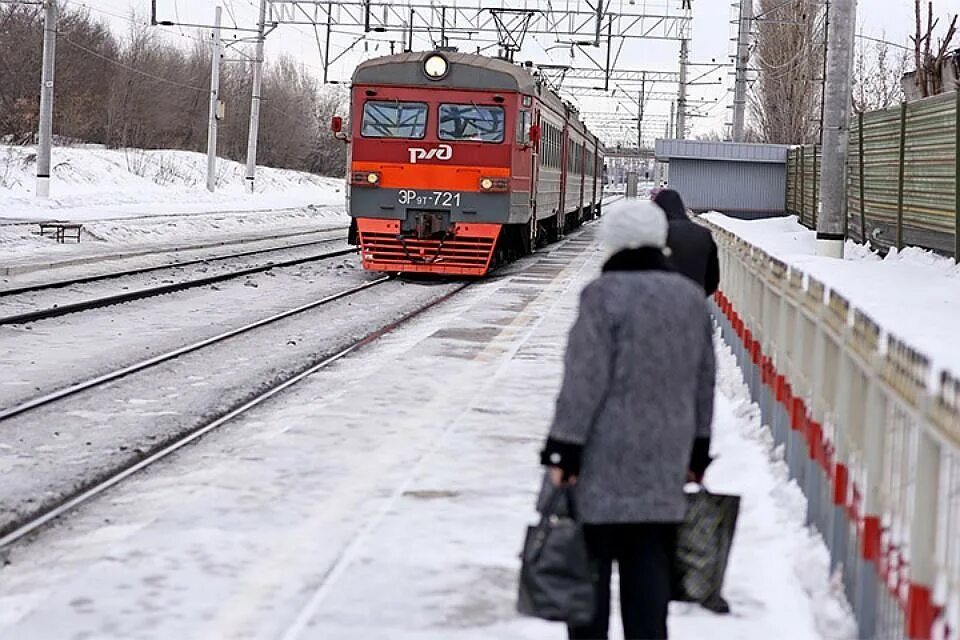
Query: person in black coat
point(693, 251)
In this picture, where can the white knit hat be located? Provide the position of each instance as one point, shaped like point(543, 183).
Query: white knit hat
point(641, 223)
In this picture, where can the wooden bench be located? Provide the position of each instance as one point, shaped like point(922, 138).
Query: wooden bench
point(61, 231)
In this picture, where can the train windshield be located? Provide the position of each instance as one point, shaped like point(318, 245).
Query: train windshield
point(383, 119)
point(471, 122)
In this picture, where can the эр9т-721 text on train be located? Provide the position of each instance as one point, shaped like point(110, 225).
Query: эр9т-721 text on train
point(460, 162)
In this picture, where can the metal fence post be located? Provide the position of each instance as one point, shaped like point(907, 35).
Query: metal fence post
point(816, 188)
point(803, 184)
point(956, 184)
point(786, 185)
point(921, 610)
point(903, 150)
point(863, 215)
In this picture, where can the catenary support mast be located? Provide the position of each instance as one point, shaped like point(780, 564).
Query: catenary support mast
point(214, 102)
point(836, 129)
point(256, 99)
point(45, 135)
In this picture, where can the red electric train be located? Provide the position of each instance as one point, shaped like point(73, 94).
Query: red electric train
point(460, 162)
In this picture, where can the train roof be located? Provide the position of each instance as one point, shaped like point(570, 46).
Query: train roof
point(467, 71)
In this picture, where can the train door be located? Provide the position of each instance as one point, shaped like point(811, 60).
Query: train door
point(597, 182)
point(534, 118)
point(564, 177)
point(582, 173)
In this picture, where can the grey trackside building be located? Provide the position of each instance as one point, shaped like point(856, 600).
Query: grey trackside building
point(740, 179)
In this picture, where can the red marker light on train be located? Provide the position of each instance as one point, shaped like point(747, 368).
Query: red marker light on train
point(534, 133)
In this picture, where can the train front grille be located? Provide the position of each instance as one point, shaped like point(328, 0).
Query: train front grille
point(466, 250)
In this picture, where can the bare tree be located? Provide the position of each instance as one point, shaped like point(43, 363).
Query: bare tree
point(877, 72)
point(928, 75)
point(138, 91)
point(785, 99)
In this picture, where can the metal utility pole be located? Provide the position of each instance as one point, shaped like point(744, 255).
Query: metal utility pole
point(643, 99)
point(673, 111)
point(823, 72)
point(255, 100)
point(214, 103)
point(326, 45)
point(836, 130)
point(45, 135)
point(682, 95)
point(410, 31)
point(743, 61)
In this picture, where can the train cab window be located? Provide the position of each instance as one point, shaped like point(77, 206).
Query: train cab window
point(472, 123)
point(383, 119)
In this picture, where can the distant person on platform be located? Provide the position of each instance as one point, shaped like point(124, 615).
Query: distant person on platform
point(693, 251)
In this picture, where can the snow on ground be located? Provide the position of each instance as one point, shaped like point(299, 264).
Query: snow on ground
point(387, 498)
point(913, 294)
point(93, 182)
point(132, 199)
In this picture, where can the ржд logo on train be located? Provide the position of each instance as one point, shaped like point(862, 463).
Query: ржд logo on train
point(442, 152)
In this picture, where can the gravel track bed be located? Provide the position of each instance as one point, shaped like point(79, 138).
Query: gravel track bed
point(42, 356)
point(52, 452)
point(80, 292)
point(160, 256)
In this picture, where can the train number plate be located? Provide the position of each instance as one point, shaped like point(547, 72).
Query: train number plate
point(429, 198)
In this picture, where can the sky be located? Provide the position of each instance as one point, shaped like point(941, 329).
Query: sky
point(713, 28)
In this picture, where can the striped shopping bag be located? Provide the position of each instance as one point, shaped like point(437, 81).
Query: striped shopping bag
point(703, 548)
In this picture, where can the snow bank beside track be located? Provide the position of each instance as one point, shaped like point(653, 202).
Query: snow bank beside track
point(133, 199)
point(90, 182)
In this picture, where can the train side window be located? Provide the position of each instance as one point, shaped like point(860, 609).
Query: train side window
point(556, 148)
point(546, 142)
point(523, 127)
point(547, 145)
point(550, 150)
point(383, 119)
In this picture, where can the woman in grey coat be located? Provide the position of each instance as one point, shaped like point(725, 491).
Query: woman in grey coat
point(633, 417)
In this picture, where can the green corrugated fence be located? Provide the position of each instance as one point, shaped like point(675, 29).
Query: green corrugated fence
point(902, 186)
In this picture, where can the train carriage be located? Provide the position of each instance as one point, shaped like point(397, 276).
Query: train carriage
point(458, 162)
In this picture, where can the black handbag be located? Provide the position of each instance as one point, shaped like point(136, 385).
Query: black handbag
point(557, 577)
point(703, 548)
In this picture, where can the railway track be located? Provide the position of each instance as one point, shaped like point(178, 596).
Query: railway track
point(129, 296)
point(20, 528)
point(148, 292)
point(57, 284)
point(46, 513)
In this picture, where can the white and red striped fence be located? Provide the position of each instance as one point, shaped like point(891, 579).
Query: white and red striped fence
point(873, 444)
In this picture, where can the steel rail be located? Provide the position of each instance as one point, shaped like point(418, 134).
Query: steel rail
point(34, 523)
point(59, 394)
point(99, 303)
point(57, 284)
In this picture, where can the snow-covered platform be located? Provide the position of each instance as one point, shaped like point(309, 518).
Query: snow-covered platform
point(387, 498)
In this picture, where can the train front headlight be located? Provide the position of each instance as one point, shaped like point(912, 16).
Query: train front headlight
point(492, 184)
point(435, 66)
point(365, 178)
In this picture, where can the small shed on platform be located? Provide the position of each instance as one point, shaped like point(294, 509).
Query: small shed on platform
point(744, 180)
